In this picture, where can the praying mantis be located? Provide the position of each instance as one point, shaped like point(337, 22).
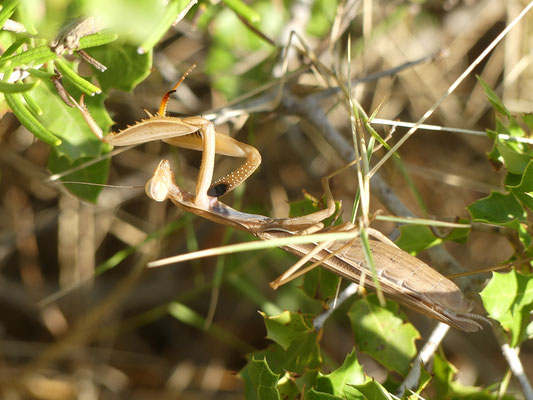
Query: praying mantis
point(401, 276)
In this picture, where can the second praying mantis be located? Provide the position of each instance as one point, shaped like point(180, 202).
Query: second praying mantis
point(402, 277)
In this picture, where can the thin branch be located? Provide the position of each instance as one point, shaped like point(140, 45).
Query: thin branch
point(423, 357)
point(320, 320)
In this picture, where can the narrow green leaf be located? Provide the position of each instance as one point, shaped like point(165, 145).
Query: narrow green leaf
point(97, 39)
point(32, 104)
point(13, 47)
point(26, 118)
point(190, 317)
point(243, 10)
point(493, 98)
point(39, 73)
point(171, 13)
point(17, 87)
point(31, 57)
point(82, 84)
point(8, 7)
point(23, 12)
point(382, 334)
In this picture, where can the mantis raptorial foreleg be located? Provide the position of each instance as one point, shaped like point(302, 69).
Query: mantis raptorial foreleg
point(196, 133)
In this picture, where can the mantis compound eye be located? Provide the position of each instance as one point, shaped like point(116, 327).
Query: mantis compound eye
point(217, 190)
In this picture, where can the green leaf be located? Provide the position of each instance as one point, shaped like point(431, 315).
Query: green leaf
point(340, 382)
point(125, 67)
point(299, 357)
point(372, 390)
point(528, 120)
point(81, 84)
point(32, 57)
point(383, 335)
point(243, 10)
point(79, 144)
point(415, 238)
point(97, 39)
point(447, 389)
point(500, 209)
point(8, 7)
point(513, 156)
point(503, 210)
point(26, 118)
point(17, 87)
point(508, 298)
point(315, 395)
point(172, 10)
point(322, 17)
point(132, 20)
point(443, 373)
point(320, 283)
point(288, 327)
point(493, 98)
point(524, 190)
point(78, 141)
point(32, 104)
point(94, 173)
point(259, 380)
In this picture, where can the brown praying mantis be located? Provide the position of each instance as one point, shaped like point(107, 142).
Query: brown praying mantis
point(401, 276)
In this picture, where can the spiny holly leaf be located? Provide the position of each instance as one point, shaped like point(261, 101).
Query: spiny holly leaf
point(508, 298)
point(372, 390)
point(503, 210)
point(341, 381)
point(312, 394)
point(297, 340)
point(446, 388)
point(415, 238)
point(300, 356)
point(382, 334)
point(493, 98)
point(524, 190)
point(512, 154)
point(259, 380)
point(288, 327)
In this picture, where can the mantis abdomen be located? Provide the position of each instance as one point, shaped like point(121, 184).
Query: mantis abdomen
point(402, 277)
